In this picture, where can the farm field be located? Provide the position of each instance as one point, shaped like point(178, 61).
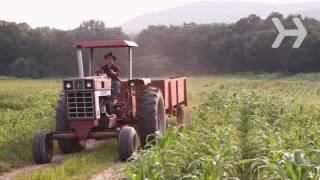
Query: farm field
point(25, 105)
point(249, 126)
point(256, 128)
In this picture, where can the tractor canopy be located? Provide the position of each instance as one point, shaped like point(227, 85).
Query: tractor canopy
point(106, 44)
point(91, 45)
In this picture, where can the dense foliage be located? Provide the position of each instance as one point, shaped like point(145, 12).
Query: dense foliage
point(27, 52)
point(186, 49)
point(238, 134)
point(240, 47)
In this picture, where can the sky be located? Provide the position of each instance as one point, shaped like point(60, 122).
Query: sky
point(68, 14)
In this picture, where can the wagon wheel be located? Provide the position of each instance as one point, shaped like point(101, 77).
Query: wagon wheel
point(152, 119)
point(127, 142)
point(180, 114)
point(42, 147)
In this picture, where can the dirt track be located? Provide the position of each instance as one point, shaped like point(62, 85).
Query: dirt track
point(90, 145)
point(114, 172)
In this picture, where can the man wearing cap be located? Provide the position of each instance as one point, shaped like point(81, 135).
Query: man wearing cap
point(113, 71)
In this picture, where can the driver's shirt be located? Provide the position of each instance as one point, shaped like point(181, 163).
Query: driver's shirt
point(115, 68)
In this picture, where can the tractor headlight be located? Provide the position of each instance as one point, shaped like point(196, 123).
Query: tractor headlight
point(88, 84)
point(68, 85)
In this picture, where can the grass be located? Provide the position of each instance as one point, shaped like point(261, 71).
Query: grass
point(303, 87)
point(27, 105)
point(79, 167)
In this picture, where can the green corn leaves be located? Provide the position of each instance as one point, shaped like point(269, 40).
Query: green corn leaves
point(238, 134)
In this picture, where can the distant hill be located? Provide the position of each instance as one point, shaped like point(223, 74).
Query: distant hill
point(217, 12)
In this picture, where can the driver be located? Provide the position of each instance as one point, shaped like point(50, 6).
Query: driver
point(113, 71)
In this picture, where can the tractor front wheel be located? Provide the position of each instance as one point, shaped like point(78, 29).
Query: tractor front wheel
point(127, 142)
point(152, 118)
point(42, 147)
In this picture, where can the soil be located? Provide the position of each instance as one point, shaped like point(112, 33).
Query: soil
point(113, 172)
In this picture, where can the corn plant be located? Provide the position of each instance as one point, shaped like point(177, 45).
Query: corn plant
point(238, 134)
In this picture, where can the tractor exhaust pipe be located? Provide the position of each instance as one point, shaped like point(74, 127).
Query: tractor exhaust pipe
point(130, 63)
point(80, 63)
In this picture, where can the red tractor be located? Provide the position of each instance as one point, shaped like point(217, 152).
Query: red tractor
point(86, 110)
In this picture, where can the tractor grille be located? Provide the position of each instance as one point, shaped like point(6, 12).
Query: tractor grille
point(80, 105)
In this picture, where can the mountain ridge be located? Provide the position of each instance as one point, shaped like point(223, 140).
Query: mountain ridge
point(217, 12)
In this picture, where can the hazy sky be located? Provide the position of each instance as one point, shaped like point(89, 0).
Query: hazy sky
point(66, 14)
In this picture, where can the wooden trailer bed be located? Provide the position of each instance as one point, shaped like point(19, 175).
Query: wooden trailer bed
point(174, 92)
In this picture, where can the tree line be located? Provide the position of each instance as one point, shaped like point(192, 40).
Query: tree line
point(42, 52)
point(186, 49)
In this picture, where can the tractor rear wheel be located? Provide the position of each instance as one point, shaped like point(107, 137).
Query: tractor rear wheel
point(180, 114)
point(42, 147)
point(152, 119)
point(127, 142)
point(62, 125)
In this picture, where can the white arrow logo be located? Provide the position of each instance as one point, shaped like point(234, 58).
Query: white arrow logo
point(300, 33)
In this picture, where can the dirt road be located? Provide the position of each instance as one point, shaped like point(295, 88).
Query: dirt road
point(90, 145)
point(114, 172)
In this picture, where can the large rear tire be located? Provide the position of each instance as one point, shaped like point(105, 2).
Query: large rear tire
point(152, 118)
point(127, 142)
point(42, 147)
point(62, 125)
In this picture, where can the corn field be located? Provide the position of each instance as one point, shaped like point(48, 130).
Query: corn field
point(238, 133)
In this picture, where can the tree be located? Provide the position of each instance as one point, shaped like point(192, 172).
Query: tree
point(24, 67)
